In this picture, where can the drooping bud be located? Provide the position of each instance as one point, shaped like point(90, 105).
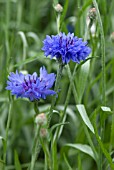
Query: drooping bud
point(92, 14)
point(58, 8)
point(112, 37)
point(41, 119)
point(43, 133)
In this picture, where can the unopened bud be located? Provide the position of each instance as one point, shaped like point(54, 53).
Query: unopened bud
point(43, 133)
point(112, 37)
point(41, 119)
point(58, 8)
point(92, 14)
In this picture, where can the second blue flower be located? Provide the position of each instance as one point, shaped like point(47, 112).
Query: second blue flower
point(66, 47)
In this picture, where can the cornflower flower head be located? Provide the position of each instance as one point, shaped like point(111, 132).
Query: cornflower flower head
point(66, 47)
point(31, 86)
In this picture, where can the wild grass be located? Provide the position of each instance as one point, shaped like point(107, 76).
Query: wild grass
point(82, 123)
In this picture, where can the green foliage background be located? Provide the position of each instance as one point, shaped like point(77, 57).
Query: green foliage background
point(23, 26)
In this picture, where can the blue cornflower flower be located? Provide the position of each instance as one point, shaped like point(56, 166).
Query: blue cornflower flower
point(66, 47)
point(31, 86)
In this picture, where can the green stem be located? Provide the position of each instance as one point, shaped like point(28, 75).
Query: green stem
point(86, 130)
point(58, 22)
point(36, 107)
point(104, 151)
point(7, 130)
point(102, 52)
point(102, 39)
point(35, 148)
point(54, 155)
point(91, 144)
point(48, 164)
point(54, 98)
point(63, 118)
point(7, 34)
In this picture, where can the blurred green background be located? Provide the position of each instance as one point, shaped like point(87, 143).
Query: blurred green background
point(23, 26)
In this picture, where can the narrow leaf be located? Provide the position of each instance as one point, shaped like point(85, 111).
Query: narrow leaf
point(84, 71)
point(83, 148)
point(112, 133)
point(67, 163)
point(65, 8)
point(58, 124)
point(105, 152)
point(85, 117)
point(17, 163)
point(55, 126)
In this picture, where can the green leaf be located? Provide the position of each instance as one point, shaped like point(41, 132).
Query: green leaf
point(17, 163)
point(58, 124)
point(81, 84)
point(65, 8)
point(29, 60)
point(85, 117)
point(67, 163)
point(112, 132)
point(105, 152)
point(83, 148)
point(106, 109)
point(55, 126)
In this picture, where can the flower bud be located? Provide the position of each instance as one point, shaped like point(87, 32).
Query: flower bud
point(112, 37)
point(92, 14)
point(58, 8)
point(43, 133)
point(41, 119)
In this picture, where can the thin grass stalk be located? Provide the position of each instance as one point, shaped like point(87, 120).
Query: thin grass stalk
point(86, 131)
point(102, 40)
point(7, 34)
point(59, 74)
point(35, 148)
point(7, 131)
point(48, 164)
point(63, 118)
point(56, 89)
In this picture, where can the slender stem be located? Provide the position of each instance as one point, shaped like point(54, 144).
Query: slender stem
point(7, 35)
point(35, 148)
point(102, 52)
point(54, 98)
point(91, 144)
point(87, 134)
point(54, 155)
point(7, 130)
point(102, 125)
point(63, 118)
point(58, 22)
point(36, 107)
point(7, 67)
point(48, 164)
